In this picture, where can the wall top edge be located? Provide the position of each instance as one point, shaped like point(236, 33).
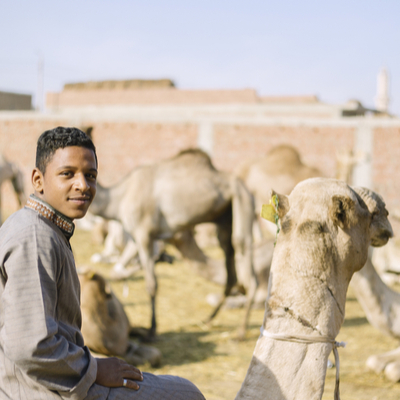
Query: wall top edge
point(90, 116)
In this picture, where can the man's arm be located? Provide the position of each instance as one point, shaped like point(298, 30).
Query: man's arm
point(31, 335)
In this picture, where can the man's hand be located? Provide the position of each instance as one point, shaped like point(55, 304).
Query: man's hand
point(112, 371)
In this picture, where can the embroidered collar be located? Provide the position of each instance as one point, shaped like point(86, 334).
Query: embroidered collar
point(45, 210)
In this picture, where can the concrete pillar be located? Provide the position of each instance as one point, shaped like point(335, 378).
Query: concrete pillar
point(205, 137)
point(363, 148)
point(382, 91)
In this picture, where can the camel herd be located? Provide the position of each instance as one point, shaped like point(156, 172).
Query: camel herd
point(326, 228)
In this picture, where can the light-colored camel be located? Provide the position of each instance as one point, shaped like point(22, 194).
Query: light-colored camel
point(157, 201)
point(9, 171)
point(186, 242)
point(105, 325)
point(380, 304)
point(326, 229)
point(382, 309)
point(281, 169)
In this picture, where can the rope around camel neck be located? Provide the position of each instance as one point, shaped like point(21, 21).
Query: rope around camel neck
point(311, 340)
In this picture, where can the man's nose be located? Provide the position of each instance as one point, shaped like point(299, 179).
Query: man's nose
point(81, 183)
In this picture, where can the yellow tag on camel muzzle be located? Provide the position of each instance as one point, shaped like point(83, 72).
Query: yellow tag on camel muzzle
point(268, 211)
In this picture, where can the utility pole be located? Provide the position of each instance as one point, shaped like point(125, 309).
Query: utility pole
point(40, 83)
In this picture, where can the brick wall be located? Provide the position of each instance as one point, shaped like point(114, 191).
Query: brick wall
point(123, 145)
point(317, 145)
point(76, 98)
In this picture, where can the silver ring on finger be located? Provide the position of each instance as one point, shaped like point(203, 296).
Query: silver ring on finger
point(124, 382)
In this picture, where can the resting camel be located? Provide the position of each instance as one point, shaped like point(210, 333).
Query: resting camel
point(9, 171)
point(155, 202)
point(382, 308)
point(105, 325)
point(326, 229)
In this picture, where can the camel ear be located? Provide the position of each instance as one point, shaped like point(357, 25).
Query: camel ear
point(277, 208)
point(341, 210)
point(283, 203)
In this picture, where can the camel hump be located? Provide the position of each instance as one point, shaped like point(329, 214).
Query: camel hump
point(191, 154)
point(284, 154)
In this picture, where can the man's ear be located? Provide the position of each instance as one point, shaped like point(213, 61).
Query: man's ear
point(37, 180)
point(341, 210)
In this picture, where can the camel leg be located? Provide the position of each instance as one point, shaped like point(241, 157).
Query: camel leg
point(389, 362)
point(209, 269)
point(129, 252)
point(145, 247)
point(224, 233)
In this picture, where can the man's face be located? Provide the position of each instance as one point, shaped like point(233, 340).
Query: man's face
point(69, 183)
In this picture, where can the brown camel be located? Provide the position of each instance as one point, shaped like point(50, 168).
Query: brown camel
point(105, 325)
point(157, 201)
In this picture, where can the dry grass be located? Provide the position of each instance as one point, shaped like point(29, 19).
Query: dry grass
point(211, 357)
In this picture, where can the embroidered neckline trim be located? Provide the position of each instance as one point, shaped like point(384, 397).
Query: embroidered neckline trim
point(66, 225)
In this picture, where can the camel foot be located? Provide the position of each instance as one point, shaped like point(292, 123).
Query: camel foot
point(125, 273)
point(139, 333)
point(392, 371)
point(141, 354)
point(165, 257)
point(376, 364)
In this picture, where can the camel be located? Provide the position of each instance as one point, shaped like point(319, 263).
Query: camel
point(186, 243)
point(157, 201)
point(281, 168)
point(382, 308)
point(9, 171)
point(326, 229)
point(105, 325)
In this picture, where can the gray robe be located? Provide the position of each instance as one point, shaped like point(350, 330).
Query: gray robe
point(42, 353)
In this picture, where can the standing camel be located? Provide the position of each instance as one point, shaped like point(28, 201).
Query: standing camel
point(9, 171)
point(281, 169)
point(157, 201)
point(326, 229)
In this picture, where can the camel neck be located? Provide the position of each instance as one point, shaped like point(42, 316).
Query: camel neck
point(282, 370)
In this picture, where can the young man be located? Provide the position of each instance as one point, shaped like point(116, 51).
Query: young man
point(42, 353)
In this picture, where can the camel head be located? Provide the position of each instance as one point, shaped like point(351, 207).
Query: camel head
point(326, 226)
point(94, 289)
point(380, 225)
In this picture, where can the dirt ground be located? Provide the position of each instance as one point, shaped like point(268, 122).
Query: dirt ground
point(212, 358)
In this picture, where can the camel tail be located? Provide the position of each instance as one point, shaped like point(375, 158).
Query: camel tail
point(242, 215)
point(242, 239)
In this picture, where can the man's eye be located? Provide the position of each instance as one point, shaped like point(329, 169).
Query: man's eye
point(66, 173)
point(91, 176)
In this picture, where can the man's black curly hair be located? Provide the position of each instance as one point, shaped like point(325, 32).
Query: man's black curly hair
point(59, 138)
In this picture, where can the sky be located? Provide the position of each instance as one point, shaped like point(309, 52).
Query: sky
point(332, 49)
